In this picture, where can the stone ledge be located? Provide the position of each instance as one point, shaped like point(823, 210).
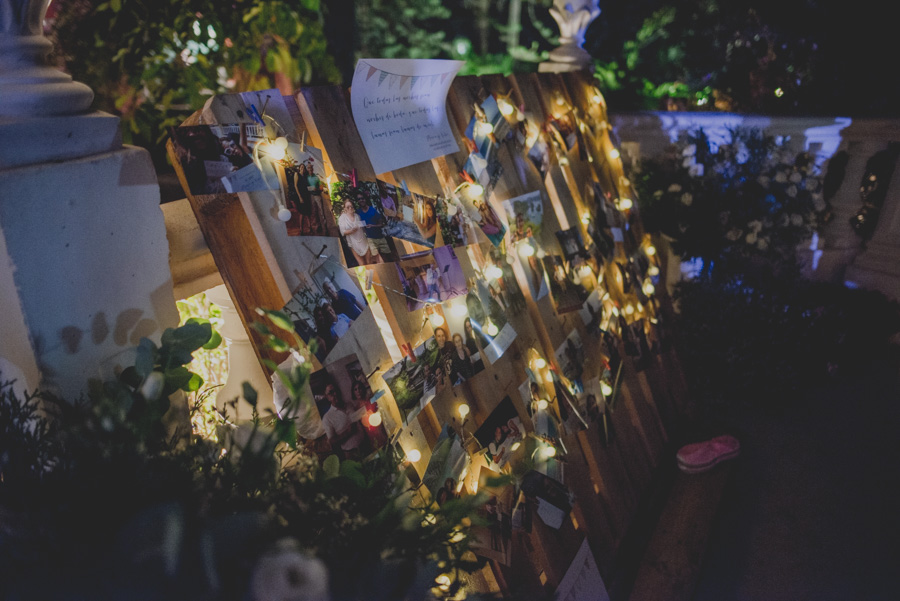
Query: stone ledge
point(28, 141)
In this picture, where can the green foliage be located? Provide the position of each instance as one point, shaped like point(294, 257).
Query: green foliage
point(97, 490)
point(402, 28)
point(153, 62)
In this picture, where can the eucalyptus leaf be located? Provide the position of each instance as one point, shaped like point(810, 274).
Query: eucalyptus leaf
point(331, 467)
point(249, 393)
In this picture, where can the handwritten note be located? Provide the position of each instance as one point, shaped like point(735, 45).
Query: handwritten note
point(399, 109)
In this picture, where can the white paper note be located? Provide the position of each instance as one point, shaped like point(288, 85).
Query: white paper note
point(399, 106)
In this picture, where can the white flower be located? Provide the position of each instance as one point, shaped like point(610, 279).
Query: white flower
point(781, 177)
point(688, 162)
point(763, 181)
point(762, 244)
point(658, 194)
point(792, 191)
point(674, 188)
point(687, 199)
point(755, 225)
point(796, 177)
point(750, 238)
point(689, 150)
point(742, 155)
point(288, 575)
point(796, 220)
point(696, 170)
point(733, 234)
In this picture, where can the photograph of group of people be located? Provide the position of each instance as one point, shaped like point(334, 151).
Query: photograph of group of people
point(361, 224)
point(325, 305)
point(410, 217)
point(346, 404)
point(499, 433)
point(447, 467)
point(301, 177)
point(430, 277)
point(480, 212)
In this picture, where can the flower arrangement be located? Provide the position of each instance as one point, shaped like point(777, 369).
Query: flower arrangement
point(748, 200)
point(119, 505)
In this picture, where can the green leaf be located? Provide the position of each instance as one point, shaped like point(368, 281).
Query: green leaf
point(146, 357)
point(286, 431)
point(194, 383)
point(214, 341)
point(249, 393)
point(115, 5)
point(281, 320)
point(331, 467)
point(351, 470)
point(177, 378)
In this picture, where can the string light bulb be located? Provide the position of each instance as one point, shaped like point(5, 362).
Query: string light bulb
point(274, 151)
point(515, 446)
point(597, 99)
point(586, 218)
point(540, 363)
point(625, 204)
point(375, 419)
point(436, 319)
point(413, 456)
point(284, 214)
point(281, 142)
point(484, 128)
point(653, 270)
point(542, 404)
point(614, 154)
point(475, 190)
point(648, 287)
point(506, 108)
point(463, 410)
point(491, 328)
point(549, 452)
point(526, 250)
point(493, 272)
point(629, 309)
point(650, 251)
point(605, 388)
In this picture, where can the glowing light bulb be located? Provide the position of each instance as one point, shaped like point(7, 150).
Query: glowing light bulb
point(375, 419)
point(653, 270)
point(605, 297)
point(491, 328)
point(457, 537)
point(629, 309)
point(542, 404)
point(648, 288)
point(436, 319)
point(526, 250)
point(640, 307)
point(586, 218)
point(493, 272)
point(540, 363)
point(549, 452)
point(463, 410)
point(625, 204)
point(413, 456)
point(560, 101)
point(650, 251)
point(284, 214)
point(281, 142)
point(541, 253)
point(476, 190)
point(597, 99)
point(458, 310)
point(605, 388)
point(615, 311)
point(506, 108)
point(614, 154)
point(515, 446)
point(484, 128)
point(443, 580)
point(274, 152)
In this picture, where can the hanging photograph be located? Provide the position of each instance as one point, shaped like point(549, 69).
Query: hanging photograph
point(567, 295)
point(361, 224)
point(494, 540)
point(525, 214)
point(447, 467)
point(570, 358)
point(301, 177)
point(432, 276)
point(414, 382)
point(527, 255)
point(325, 305)
point(481, 213)
point(346, 406)
point(499, 433)
point(554, 500)
point(403, 219)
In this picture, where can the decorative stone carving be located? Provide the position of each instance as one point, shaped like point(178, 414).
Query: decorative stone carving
point(573, 18)
point(30, 86)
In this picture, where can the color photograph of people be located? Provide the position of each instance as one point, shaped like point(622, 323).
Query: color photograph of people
point(429, 277)
point(213, 155)
point(361, 224)
point(499, 433)
point(325, 306)
point(447, 467)
point(395, 204)
point(301, 176)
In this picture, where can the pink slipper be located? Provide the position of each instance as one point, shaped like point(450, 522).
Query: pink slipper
point(703, 456)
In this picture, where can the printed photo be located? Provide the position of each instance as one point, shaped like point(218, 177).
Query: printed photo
point(567, 295)
point(346, 404)
point(325, 305)
point(525, 214)
point(432, 276)
point(499, 433)
point(301, 177)
point(487, 128)
point(480, 170)
point(402, 220)
point(457, 360)
point(570, 358)
point(218, 159)
point(494, 539)
point(503, 287)
point(554, 500)
point(456, 230)
point(596, 407)
point(412, 382)
point(481, 213)
point(572, 246)
point(447, 467)
point(361, 224)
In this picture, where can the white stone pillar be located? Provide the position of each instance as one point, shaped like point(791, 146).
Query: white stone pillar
point(84, 257)
point(573, 18)
point(243, 366)
point(878, 266)
point(841, 243)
